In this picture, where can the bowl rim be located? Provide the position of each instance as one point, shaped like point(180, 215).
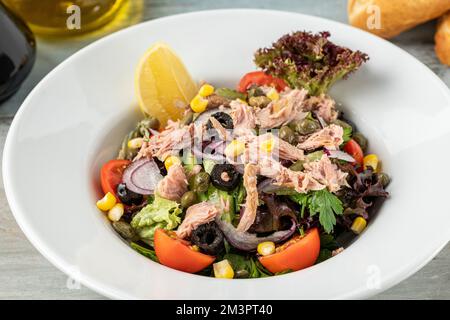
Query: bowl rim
point(394, 277)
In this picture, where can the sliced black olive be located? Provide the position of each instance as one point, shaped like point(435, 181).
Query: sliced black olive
point(209, 238)
point(224, 177)
point(224, 119)
point(126, 196)
point(161, 166)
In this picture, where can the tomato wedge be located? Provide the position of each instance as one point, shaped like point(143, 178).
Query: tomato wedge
point(261, 79)
point(352, 148)
point(176, 254)
point(111, 175)
point(298, 253)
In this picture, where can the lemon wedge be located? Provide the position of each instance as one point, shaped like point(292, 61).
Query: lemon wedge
point(164, 87)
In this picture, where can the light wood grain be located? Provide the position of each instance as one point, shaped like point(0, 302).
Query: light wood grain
point(25, 274)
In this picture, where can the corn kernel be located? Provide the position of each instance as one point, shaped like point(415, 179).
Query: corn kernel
point(235, 148)
point(170, 161)
point(206, 90)
point(199, 104)
point(371, 160)
point(107, 202)
point(266, 248)
point(273, 94)
point(358, 225)
point(267, 145)
point(223, 270)
point(116, 212)
point(135, 143)
point(195, 248)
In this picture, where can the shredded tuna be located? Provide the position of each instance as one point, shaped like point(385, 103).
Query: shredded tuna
point(299, 181)
point(219, 128)
point(243, 117)
point(282, 149)
point(251, 202)
point(329, 137)
point(170, 141)
point(326, 173)
point(196, 215)
point(323, 106)
point(174, 184)
point(282, 111)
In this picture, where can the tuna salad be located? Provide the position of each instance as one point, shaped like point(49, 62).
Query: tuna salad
point(263, 179)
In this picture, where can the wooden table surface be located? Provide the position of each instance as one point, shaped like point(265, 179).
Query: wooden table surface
point(25, 274)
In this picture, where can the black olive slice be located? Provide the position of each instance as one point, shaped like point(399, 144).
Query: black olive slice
point(224, 119)
point(128, 197)
point(209, 238)
point(224, 177)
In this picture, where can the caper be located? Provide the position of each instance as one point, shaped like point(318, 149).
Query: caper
point(343, 124)
point(200, 182)
point(242, 274)
point(305, 126)
point(255, 91)
point(188, 199)
point(384, 178)
point(287, 134)
point(297, 166)
point(361, 140)
point(259, 101)
point(124, 230)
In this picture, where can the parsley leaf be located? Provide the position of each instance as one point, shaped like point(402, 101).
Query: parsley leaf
point(303, 199)
point(347, 135)
point(327, 205)
point(323, 202)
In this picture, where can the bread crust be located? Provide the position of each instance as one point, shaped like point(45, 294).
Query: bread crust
point(442, 39)
point(395, 16)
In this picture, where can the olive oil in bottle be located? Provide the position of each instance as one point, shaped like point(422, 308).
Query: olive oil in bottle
point(64, 17)
point(17, 52)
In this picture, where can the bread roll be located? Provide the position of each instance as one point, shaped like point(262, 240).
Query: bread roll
point(442, 39)
point(388, 18)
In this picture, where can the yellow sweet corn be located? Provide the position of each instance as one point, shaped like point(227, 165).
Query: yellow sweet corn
point(170, 161)
point(358, 225)
point(273, 94)
point(135, 143)
point(116, 212)
point(235, 148)
point(107, 202)
point(206, 90)
point(266, 248)
point(199, 104)
point(371, 160)
point(223, 270)
point(267, 145)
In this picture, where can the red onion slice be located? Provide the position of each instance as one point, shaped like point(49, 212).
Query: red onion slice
point(142, 176)
point(248, 241)
point(338, 154)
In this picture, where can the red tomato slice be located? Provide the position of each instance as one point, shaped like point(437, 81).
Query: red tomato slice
point(298, 253)
point(353, 149)
point(260, 78)
point(111, 175)
point(174, 253)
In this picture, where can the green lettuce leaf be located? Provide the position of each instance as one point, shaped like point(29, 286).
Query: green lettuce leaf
point(161, 213)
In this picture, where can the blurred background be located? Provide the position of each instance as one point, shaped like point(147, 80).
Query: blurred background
point(35, 36)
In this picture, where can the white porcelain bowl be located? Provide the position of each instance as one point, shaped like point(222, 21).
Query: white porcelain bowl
point(74, 120)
